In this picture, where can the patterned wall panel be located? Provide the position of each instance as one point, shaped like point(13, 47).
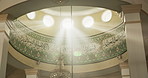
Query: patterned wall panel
point(43, 48)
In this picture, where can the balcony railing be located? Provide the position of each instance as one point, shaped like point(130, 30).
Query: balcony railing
point(43, 48)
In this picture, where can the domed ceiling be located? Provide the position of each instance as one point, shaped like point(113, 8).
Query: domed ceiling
point(81, 34)
point(79, 14)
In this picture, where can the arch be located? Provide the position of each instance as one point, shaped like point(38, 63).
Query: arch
point(33, 5)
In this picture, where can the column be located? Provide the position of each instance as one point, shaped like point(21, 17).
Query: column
point(135, 44)
point(31, 73)
point(125, 70)
point(3, 46)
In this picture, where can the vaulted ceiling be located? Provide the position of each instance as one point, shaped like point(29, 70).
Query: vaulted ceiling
point(18, 10)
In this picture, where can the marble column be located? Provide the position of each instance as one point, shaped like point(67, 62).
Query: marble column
point(31, 73)
point(135, 44)
point(125, 70)
point(3, 46)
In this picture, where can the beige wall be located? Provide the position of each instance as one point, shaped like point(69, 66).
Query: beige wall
point(7, 3)
point(143, 2)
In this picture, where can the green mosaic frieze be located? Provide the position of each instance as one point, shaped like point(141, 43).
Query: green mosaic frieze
point(43, 48)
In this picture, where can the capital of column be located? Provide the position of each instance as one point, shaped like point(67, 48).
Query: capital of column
point(31, 71)
point(125, 70)
point(124, 65)
point(3, 17)
point(136, 8)
point(3, 26)
point(2, 31)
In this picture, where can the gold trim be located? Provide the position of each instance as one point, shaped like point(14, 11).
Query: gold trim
point(3, 17)
point(125, 75)
point(124, 67)
point(2, 30)
point(76, 68)
point(31, 71)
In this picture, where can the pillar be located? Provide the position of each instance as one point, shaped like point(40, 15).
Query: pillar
point(31, 73)
point(3, 46)
point(135, 44)
point(125, 70)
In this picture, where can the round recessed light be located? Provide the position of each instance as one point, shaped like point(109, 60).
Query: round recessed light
point(48, 20)
point(106, 16)
point(67, 23)
point(31, 15)
point(88, 21)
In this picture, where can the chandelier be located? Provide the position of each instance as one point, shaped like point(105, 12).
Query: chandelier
point(60, 72)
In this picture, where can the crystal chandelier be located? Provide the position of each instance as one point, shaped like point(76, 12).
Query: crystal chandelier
point(60, 72)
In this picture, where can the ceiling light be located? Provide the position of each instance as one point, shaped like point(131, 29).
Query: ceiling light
point(31, 15)
point(88, 21)
point(67, 23)
point(106, 16)
point(48, 20)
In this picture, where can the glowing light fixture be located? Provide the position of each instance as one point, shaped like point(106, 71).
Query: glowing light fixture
point(67, 23)
point(88, 21)
point(31, 15)
point(48, 20)
point(106, 16)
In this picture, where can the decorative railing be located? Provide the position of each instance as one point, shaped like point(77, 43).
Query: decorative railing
point(43, 48)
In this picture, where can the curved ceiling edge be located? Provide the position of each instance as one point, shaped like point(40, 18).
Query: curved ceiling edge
point(33, 5)
point(4, 4)
point(77, 68)
point(15, 63)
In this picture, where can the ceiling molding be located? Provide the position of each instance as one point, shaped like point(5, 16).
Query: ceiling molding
point(24, 7)
point(77, 68)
